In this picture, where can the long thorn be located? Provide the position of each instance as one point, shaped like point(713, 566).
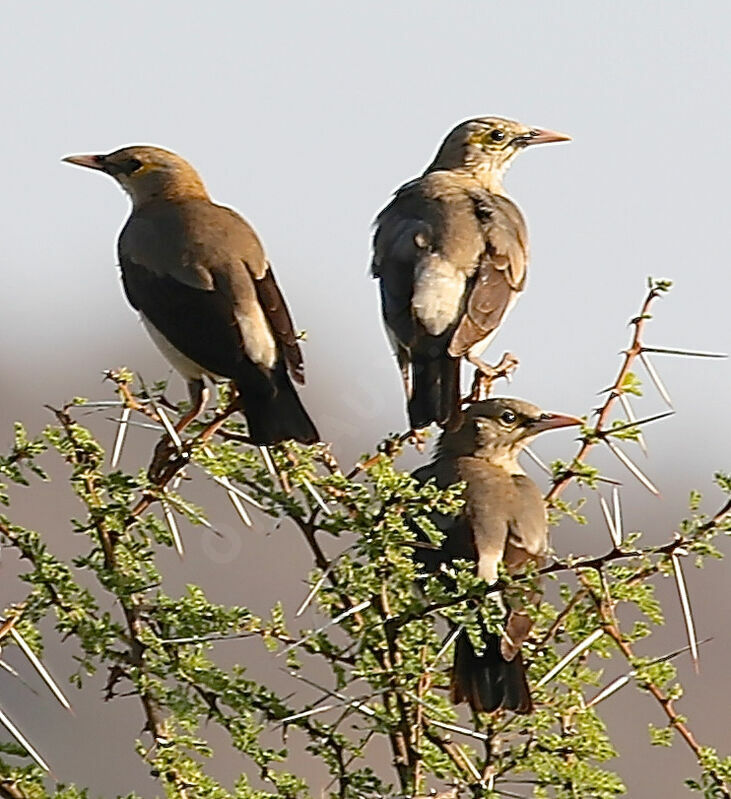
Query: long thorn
point(316, 496)
point(618, 525)
point(173, 527)
point(268, 462)
point(686, 353)
point(306, 713)
point(624, 399)
point(22, 740)
point(340, 617)
point(168, 425)
point(613, 686)
point(569, 656)
point(318, 585)
point(450, 639)
point(121, 433)
point(541, 465)
point(685, 605)
point(632, 467)
point(655, 377)
point(480, 736)
point(39, 667)
point(616, 540)
point(638, 422)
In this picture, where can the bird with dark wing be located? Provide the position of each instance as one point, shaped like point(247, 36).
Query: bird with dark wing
point(451, 252)
point(197, 275)
point(503, 521)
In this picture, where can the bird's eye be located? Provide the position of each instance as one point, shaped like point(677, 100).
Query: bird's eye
point(130, 165)
point(508, 417)
point(497, 135)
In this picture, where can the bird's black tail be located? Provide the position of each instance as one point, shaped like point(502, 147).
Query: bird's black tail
point(488, 681)
point(278, 416)
point(435, 396)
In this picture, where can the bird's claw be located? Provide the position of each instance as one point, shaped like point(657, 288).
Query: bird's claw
point(166, 460)
point(486, 375)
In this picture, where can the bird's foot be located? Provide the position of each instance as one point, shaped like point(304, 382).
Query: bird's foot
point(417, 438)
point(167, 459)
point(486, 375)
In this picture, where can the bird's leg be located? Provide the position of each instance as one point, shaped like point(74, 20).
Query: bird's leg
point(486, 375)
point(166, 448)
point(417, 438)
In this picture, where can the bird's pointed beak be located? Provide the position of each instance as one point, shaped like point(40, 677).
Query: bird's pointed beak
point(544, 136)
point(552, 421)
point(89, 161)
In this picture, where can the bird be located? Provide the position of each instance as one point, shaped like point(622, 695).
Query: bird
point(503, 521)
point(450, 252)
point(197, 274)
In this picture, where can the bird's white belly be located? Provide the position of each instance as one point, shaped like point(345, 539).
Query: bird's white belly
point(438, 290)
point(182, 364)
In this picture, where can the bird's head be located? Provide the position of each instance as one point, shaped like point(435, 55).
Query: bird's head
point(498, 428)
point(487, 145)
point(146, 173)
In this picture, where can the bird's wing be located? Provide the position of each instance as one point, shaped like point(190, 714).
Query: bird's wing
point(528, 524)
point(277, 314)
point(501, 274)
point(198, 272)
point(429, 226)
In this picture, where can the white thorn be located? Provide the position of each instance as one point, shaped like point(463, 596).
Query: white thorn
point(173, 527)
point(632, 467)
point(40, 668)
point(532, 455)
point(687, 353)
point(22, 740)
point(169, 428)
point(655, 377)
point(121, 433)
point(685, 605)
point(569, 656)
point(613, 686)
point(624, 399)
point(451, 638)
point(239, 508)
point(480, 736)
point(616, 540)
point(316, 496)
point(340, 617)
point(268, 462)
point(618, 525)
point(306, 713)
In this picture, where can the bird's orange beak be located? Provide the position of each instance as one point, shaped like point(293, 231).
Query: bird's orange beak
point(89, 161)
point(543, 136)
point(552, 421)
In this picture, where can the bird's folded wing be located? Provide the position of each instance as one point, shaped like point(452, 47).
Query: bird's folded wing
point(501, 273)
point(528, 524)
point(171, 283)
point(277, 314)
point(429, 218)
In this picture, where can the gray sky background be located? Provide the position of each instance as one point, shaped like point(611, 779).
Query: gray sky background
point(305, 117)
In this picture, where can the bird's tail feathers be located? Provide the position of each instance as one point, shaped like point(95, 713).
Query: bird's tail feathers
point(435, 396)
point(489, 682)
point(277, 417)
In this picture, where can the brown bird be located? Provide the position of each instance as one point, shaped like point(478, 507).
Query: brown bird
point(504, 520)
point(197, 274)
point(451, 253)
